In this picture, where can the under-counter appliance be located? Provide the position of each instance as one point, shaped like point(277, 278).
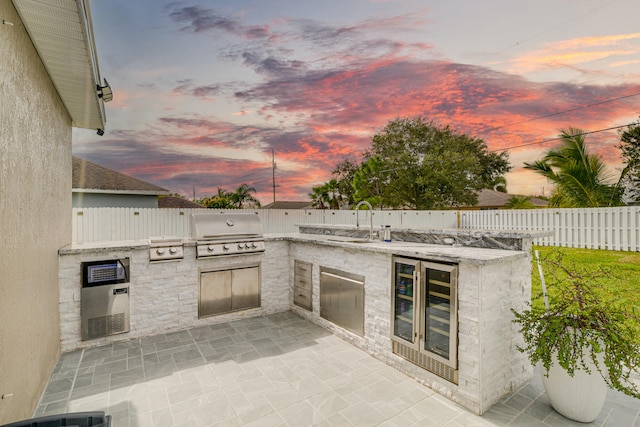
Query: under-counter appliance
point(104, 300)
point(229, 249)
point(424, 318)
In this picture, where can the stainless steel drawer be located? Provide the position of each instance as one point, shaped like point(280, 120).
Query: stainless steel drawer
point(302, 298)
point(302, 283)
point(302, 269)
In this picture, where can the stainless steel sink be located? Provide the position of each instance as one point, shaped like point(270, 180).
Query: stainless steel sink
point(350, 239)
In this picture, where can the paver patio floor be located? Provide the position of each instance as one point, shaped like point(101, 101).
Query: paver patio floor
point(278, 370)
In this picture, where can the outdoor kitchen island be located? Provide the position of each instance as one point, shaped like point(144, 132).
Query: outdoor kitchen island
point(164, 296)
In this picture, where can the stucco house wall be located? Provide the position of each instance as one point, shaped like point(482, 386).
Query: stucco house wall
point(35, 201)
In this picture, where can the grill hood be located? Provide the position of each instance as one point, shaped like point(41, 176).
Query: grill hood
point(225, 226)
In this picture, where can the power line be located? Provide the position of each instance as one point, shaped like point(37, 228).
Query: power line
point(527, 39)
point(559, 138)
point(560, 112)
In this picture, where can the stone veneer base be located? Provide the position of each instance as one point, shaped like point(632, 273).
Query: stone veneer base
point(164, 298)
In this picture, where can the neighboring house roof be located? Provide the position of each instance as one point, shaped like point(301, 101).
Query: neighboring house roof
point(89, 177)
point(62, 33)
point(177, 203)
point(288, 205)
point(496, 199)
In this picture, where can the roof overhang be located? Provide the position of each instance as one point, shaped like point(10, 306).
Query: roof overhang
point(122, 192)
point(62, 33)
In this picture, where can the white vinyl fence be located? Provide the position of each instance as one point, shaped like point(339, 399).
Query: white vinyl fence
point(111, 224)
point(595, 228)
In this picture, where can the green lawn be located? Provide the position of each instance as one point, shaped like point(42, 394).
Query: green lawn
point(623, 280)
point(624, 268)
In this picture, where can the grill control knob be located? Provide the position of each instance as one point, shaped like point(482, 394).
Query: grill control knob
point(210, 248)
point(225, 247)
point(240, 246)
point(160, 251)
point(173, 250)
point(253, 246)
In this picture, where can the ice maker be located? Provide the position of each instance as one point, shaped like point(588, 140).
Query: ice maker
point(105, 298)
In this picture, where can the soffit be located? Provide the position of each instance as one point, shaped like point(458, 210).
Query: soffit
point(62, 33)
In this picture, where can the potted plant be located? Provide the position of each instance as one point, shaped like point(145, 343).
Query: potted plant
point(583, 336)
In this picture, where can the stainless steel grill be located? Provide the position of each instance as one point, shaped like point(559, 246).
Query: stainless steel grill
point(226, 233)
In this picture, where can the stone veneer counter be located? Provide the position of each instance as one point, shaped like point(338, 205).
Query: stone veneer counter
point(490, 283)
point(435, 252)
point(164, 297)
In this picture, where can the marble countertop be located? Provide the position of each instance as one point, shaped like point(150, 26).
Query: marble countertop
point(446, 253)
point(449, 231)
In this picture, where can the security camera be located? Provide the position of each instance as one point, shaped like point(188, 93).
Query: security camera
point(100, 132)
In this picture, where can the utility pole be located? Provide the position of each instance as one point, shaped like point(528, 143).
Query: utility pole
point(273, 173)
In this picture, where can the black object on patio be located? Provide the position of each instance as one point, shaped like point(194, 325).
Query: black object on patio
point(75, 419)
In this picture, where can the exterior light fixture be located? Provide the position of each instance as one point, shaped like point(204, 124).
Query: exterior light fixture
point(105, 91)
point(100, 132)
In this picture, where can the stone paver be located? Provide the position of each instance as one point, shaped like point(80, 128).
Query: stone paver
point(278, 370)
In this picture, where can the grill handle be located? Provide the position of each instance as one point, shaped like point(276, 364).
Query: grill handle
point(230, 236)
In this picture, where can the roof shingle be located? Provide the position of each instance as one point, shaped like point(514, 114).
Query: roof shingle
point(90, 176)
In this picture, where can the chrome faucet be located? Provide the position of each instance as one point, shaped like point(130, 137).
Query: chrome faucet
point(364, 202)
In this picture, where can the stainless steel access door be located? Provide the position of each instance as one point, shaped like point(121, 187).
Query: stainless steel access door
point(224, 291)
point(104, 310)
point(342, 299)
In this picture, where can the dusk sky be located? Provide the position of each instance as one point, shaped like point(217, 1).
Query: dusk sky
point(205, 90)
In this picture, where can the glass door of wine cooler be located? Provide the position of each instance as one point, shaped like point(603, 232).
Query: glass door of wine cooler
point(424, 309)
point(404, 289)
point(439, 313)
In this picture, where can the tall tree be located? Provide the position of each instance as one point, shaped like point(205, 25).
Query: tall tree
point(431, 166)
point(370, 181)
point(343, 174)
point(320, 197)
point(243, 196)
point(580, 178)
point(326, 195)
point(630, 151)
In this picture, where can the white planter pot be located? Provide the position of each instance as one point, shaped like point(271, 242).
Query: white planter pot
point(580, 397)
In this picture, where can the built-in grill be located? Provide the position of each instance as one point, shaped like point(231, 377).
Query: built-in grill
point(226, 233)
point(229, 247)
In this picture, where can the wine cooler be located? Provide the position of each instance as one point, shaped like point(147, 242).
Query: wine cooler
point(424, 315)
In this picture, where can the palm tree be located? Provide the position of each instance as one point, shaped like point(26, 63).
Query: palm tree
point(519, 202)
point(243, 196)
point(320, 198)
point(580, 178)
